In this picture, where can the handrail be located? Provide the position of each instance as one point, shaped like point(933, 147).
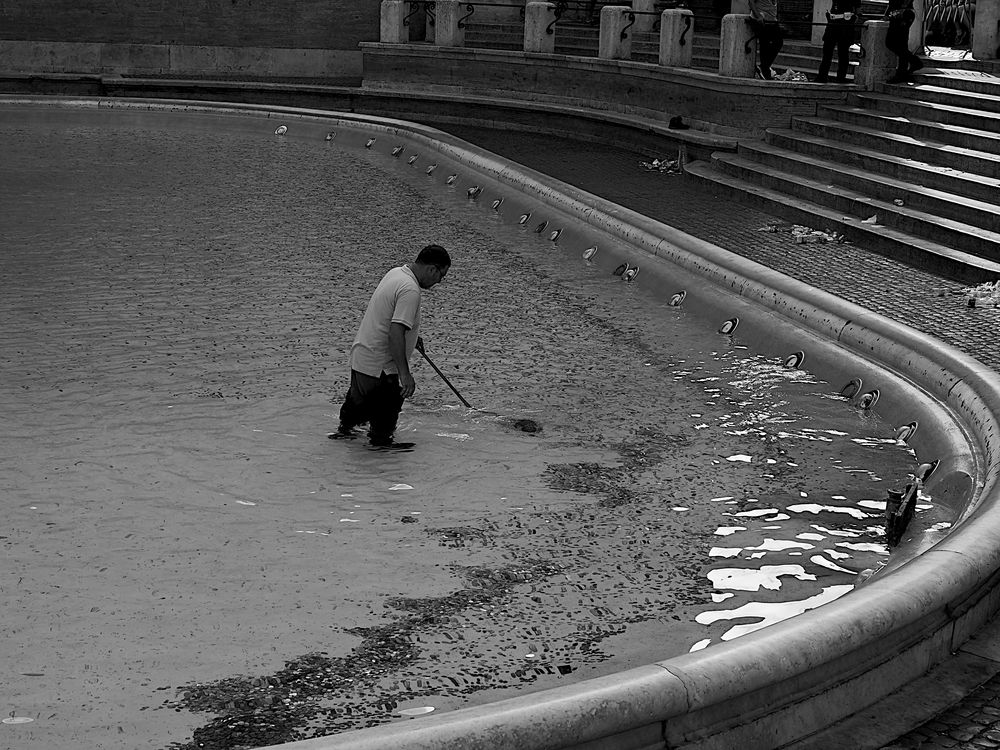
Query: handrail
point(461, 21)
point(415, 6)
point(631, 21)
point(560, 7)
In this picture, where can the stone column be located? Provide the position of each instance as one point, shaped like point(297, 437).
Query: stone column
point(820, 7)
point(614, 19)
point(538, 37)
point(644, 18)
point(734, 59)
point(986, 33)
point(916, 38)
point(446, 30)
point(391, 28)
point(676, 38)
point(740, 7)
point(877, 63)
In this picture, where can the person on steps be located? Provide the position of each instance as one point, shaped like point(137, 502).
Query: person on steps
point(839, 35)
point(900, 15)
point(770, 34)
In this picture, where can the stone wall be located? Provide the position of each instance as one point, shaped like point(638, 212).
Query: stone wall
point(309, 24)
point(273, 38)
point(743, 106)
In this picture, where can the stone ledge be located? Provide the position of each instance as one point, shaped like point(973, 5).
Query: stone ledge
point(743, 105)
point(46, 57)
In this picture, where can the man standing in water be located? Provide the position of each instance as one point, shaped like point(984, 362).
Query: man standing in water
point(380, 355)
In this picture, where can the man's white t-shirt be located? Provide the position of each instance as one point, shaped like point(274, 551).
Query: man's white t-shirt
point(396, 299)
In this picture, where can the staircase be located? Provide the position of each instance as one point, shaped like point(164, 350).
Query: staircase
point(923, 159)
point(574, 36)
point(581, 40)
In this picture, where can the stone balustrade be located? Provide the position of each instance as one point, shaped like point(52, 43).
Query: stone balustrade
point(676, 38)
point(986, 31)
point(448, 31)
point(539, 27)
point(392, 29)
point(737, 47)
point(619, 24)
point(615, 40)
point(645, 15)
point(877, 63)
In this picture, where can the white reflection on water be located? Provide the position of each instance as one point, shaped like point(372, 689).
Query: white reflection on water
point(768, 613)
point(751, 579)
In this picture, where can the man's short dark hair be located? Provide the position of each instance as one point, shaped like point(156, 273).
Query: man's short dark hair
point(434, 255)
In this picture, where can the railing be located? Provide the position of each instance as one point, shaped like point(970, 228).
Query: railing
point(629, 26)
point(588, 13)
point(461, 21)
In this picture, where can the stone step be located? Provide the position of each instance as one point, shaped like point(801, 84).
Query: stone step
point(956, 135)
point(937, 94)
point(498, 42)
point(861, 196)
point(945, 260)
point(946, 155)
point(961, 79)
point(908, 107)
point(894, 167)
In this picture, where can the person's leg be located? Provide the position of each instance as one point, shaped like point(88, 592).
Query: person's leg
point(386, 404)
point(357, 404)
point(770, 45)
point(829, 41)
point(844, 53)
point(765, 50)
point(896, 43)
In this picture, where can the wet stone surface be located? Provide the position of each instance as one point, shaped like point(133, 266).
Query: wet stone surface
point(294, 702)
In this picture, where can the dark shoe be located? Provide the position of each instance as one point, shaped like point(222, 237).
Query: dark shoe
point(820, 79)
point(343, 432)
point(764, 73)
point(899, 79)
point(390, 445)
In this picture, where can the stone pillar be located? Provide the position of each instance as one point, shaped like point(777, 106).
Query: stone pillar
point(676, 37)
point(644, 17)
point(916, 38)
point(430, 20)
point(735, 60)
point(614, 19)
point(446, 30)
point(740, 7)
point(391, 28)
point(538, 37)
point(820, 7)
point(986, 33)
point(877, 63)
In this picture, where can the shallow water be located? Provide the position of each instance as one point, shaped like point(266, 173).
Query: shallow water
point(178, 304)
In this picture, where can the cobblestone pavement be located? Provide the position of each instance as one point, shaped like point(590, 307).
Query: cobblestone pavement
point(923, 300)
point(971, 724)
